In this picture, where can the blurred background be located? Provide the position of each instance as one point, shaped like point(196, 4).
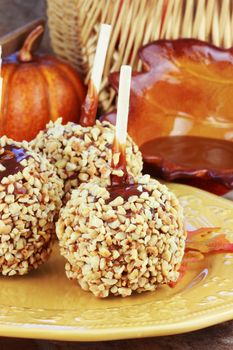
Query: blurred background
point(14, 13)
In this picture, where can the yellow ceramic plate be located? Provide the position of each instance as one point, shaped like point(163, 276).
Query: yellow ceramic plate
point(45, 304)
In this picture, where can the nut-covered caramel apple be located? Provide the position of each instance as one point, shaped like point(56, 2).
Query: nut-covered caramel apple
point(122, 239)
point(81, 154)
point(30, 199)
point(128, 236)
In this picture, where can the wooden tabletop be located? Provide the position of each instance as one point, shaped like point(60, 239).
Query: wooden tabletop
point(214, 338)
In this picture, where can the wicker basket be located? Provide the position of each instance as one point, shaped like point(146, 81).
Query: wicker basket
point(74, 27)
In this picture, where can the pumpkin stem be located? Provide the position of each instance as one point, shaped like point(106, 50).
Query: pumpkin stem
point(25, 54)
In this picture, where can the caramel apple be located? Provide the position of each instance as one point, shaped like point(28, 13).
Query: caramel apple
point(30, 195)
point(81, 153)
point(120, 240)
point(126, 237)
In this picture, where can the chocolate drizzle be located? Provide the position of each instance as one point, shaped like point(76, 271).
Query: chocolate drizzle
point(89, 106)
point(11, 160)
point(124, 190)
point(121, 186)
point(121, 165)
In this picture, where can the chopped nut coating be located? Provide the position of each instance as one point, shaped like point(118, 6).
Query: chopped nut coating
point(30, 200)
point(81, 154)
point(108, 255)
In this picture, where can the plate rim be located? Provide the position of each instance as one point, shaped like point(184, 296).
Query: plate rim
point(81, 334)
point(193, 321)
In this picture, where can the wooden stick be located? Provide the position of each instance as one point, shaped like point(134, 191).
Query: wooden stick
point(90, 105)
point(121, 128)
point(100, 55)
point(123, 105)
point(1, 78)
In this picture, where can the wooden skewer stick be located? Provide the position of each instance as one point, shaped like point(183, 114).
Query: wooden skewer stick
point(122, 124)
point(123, 104)
point(1, 79)
point(90, 105)
point(100, 55)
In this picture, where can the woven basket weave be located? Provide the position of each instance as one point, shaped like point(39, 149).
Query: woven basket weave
point(74, 27)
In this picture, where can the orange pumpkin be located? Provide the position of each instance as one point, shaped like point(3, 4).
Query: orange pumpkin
point(37, 89)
